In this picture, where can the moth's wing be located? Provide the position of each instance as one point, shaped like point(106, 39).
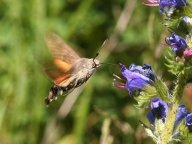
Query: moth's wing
point(60, 50)
point(58, 70)
point(57, 75)
point(63, 58)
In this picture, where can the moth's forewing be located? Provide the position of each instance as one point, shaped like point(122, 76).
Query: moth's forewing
point(63, 58)
point(60, 50)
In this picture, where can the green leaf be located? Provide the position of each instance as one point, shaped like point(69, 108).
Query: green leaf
point(162, 90)
point(158, 90)
point(188, 10)
point(145, 96)
point(173, 66)
point(185, 136)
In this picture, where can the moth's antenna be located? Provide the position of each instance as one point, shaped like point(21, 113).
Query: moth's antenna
point(102, 46)
point(97, 54)
point(94, 63)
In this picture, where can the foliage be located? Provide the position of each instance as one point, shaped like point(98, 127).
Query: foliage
point(24, 118)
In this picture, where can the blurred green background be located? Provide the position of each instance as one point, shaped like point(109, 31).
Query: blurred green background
point(102, 113)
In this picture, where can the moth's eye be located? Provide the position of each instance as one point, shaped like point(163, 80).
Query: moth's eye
point(94, 65)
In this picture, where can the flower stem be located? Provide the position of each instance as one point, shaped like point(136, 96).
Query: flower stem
point(166, 135)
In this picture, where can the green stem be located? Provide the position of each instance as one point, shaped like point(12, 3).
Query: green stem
point(166, 135)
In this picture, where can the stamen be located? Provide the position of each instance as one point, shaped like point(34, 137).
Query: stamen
point(117, 77)
point(122, 80)
point(119, 84)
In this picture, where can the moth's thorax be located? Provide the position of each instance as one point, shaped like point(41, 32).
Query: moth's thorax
point(85, 65)
point(81, 71)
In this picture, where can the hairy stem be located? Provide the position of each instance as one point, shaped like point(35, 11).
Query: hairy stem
point(166, 135)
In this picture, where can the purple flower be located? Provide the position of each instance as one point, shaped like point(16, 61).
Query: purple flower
point(187, 53)
point(188, 122)
point(148, 72)
point(172, 3)
point(136, 77)
point(159, 110)
point(145, 70)
point(165, 4)
point(187, 19)
point(177, 43)
point(181, 113)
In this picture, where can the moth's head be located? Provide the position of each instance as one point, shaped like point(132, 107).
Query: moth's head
point(95, 63)
point(92, 63)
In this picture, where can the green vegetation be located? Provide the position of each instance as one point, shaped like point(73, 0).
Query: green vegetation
point(101, 112)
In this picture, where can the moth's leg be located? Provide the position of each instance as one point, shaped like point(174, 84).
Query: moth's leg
point(79, 81)
point(75, 81)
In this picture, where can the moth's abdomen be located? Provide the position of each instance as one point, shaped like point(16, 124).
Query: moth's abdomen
point(54, 92)
point(66, 86)
point(79, 82)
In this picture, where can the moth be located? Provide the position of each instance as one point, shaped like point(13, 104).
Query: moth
point(68, 70)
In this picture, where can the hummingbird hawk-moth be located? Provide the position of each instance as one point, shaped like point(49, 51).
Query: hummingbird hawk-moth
point(69, 69)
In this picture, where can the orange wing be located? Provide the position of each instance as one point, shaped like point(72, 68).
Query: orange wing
point(63, 58)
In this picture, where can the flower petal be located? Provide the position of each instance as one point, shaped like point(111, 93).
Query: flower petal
point(181, 113)
point(188, 122)
point(177, 43)
point(151, 117)
point(159, 109)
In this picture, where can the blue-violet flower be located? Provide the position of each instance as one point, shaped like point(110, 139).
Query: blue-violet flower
point(187, 20)
point(188, 122)
point(166, 4)
point(181, 113)
point(136, 77)
point(177, 43)
point(159, 110)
